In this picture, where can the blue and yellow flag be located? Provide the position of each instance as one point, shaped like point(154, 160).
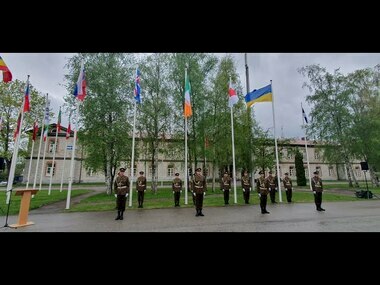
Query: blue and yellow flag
point(261, 95)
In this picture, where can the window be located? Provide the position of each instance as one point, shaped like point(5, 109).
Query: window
point(358, 172)
point(304, 154)
point(318, 168)
point(331, 170)
point(170, 170)
point(49, 169)
point(51, 145)
point(134, 171)
point(316, 154)
point(291, 170)
point(289, 152)
point(90, 172)
point(306, 172)
point(150, 172)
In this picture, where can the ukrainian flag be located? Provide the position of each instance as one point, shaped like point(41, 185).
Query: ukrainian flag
point(261, 95)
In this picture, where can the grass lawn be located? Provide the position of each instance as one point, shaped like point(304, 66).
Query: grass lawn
point(40, 199)
point(164, 199)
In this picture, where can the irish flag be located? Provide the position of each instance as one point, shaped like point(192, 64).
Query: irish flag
point(187, 112)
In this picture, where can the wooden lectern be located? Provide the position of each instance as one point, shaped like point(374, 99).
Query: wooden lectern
point(24, 207)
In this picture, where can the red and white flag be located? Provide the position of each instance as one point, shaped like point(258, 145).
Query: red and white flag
point(233, 98)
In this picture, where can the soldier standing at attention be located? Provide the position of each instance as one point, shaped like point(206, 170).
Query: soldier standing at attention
point(199, 187)
point(262, 188)
point(225, 186)
point(272, 184)
point(316, 184)
point(246, 185)
point(141, 188)
point(122, 190)
point(288, 185)
point(177, 189)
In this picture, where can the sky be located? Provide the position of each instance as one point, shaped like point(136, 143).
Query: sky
point(47, 72)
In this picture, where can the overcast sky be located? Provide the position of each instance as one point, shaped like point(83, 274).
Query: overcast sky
point(47, 71)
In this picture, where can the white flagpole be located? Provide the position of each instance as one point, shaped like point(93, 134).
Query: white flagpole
point(186, 170)
point(39, 152)
point(46, 142)
point(14, 158)
point(233, 151)
point(71, 177)
point(31, 158)
point(275, 143)
point(54, 152)
point(63, 166)
point(133, 156)
point(307, 153)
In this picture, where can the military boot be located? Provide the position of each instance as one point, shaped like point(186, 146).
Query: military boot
point(121, 216)
point(197, 214)
point(118, 216)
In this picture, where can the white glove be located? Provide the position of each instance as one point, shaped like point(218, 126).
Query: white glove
point(314, 192)
point(180, 191)
point(204, 193)
point(259, 195)
point(243, 190)
point(250, 189)
point(275, 189)
point(223, 190)
point(115, 195)
point(137, 191)
point(194, 193)
point(126, 195)
point(173, 192)
point(144, 190)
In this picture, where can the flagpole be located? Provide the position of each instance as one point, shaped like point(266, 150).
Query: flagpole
point(233, 151)
point(15, 152)
point(307, 153)
point(63, 167)
point(186, 168)
point(30, 161)
point(45, 142)
point(133, 156)
point(71, 177)
point(40, 145)
point(54, 152)
point(250, 111)
point(275, 143)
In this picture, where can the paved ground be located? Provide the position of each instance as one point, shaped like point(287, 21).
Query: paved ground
point(361, 216)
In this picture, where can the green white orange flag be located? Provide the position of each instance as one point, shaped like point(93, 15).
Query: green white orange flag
point(187, 112)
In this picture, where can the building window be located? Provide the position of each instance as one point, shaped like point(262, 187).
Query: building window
point(90, 172)
point(358, 172)
point(49, 169)
point(170, 170)
point(51, 145)
point(316, 154)
point(331, 170)
point(291, 170)
point(318, 168)
point(289, 153)
point(306, 172)
point(304, 154)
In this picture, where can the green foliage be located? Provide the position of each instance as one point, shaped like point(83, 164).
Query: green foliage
point(300, 170)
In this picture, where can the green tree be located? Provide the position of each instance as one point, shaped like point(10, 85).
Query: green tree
point(11, 100)
point(106, 112)
point(300, 170)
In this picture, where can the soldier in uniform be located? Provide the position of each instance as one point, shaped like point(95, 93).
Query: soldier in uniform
point(199, 187)
point(316, 184)
point(246, 185)
point(177, 189)
point(288, 185)
point(141, 188)
point(225, 186)
point(122, 190)
point(272, 184)
point(262, 188)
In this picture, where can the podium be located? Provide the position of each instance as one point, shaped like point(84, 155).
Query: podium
point(24, 207)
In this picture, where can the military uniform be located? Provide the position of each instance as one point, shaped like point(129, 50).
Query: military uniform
point(225, 186)
point(141, 188)
point(177, 189)
point(121, 186)
point(262, 188)
point(199, 188)
point(288, 185)
point(272, 184)
point(247, 187)
point(317, 186)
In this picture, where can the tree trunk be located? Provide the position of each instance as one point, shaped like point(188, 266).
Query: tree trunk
point(348, 175)
point(353, 175)
point(374, 179)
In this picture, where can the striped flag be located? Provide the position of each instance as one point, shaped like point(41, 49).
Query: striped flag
point(187, 112)
point(68, 131)
point(304, 115)
point(47, 119)
point(26, 100)
point(80, 87)
point(17, 130)
point(59, 121)
point(137, 90)
point(7, 75)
